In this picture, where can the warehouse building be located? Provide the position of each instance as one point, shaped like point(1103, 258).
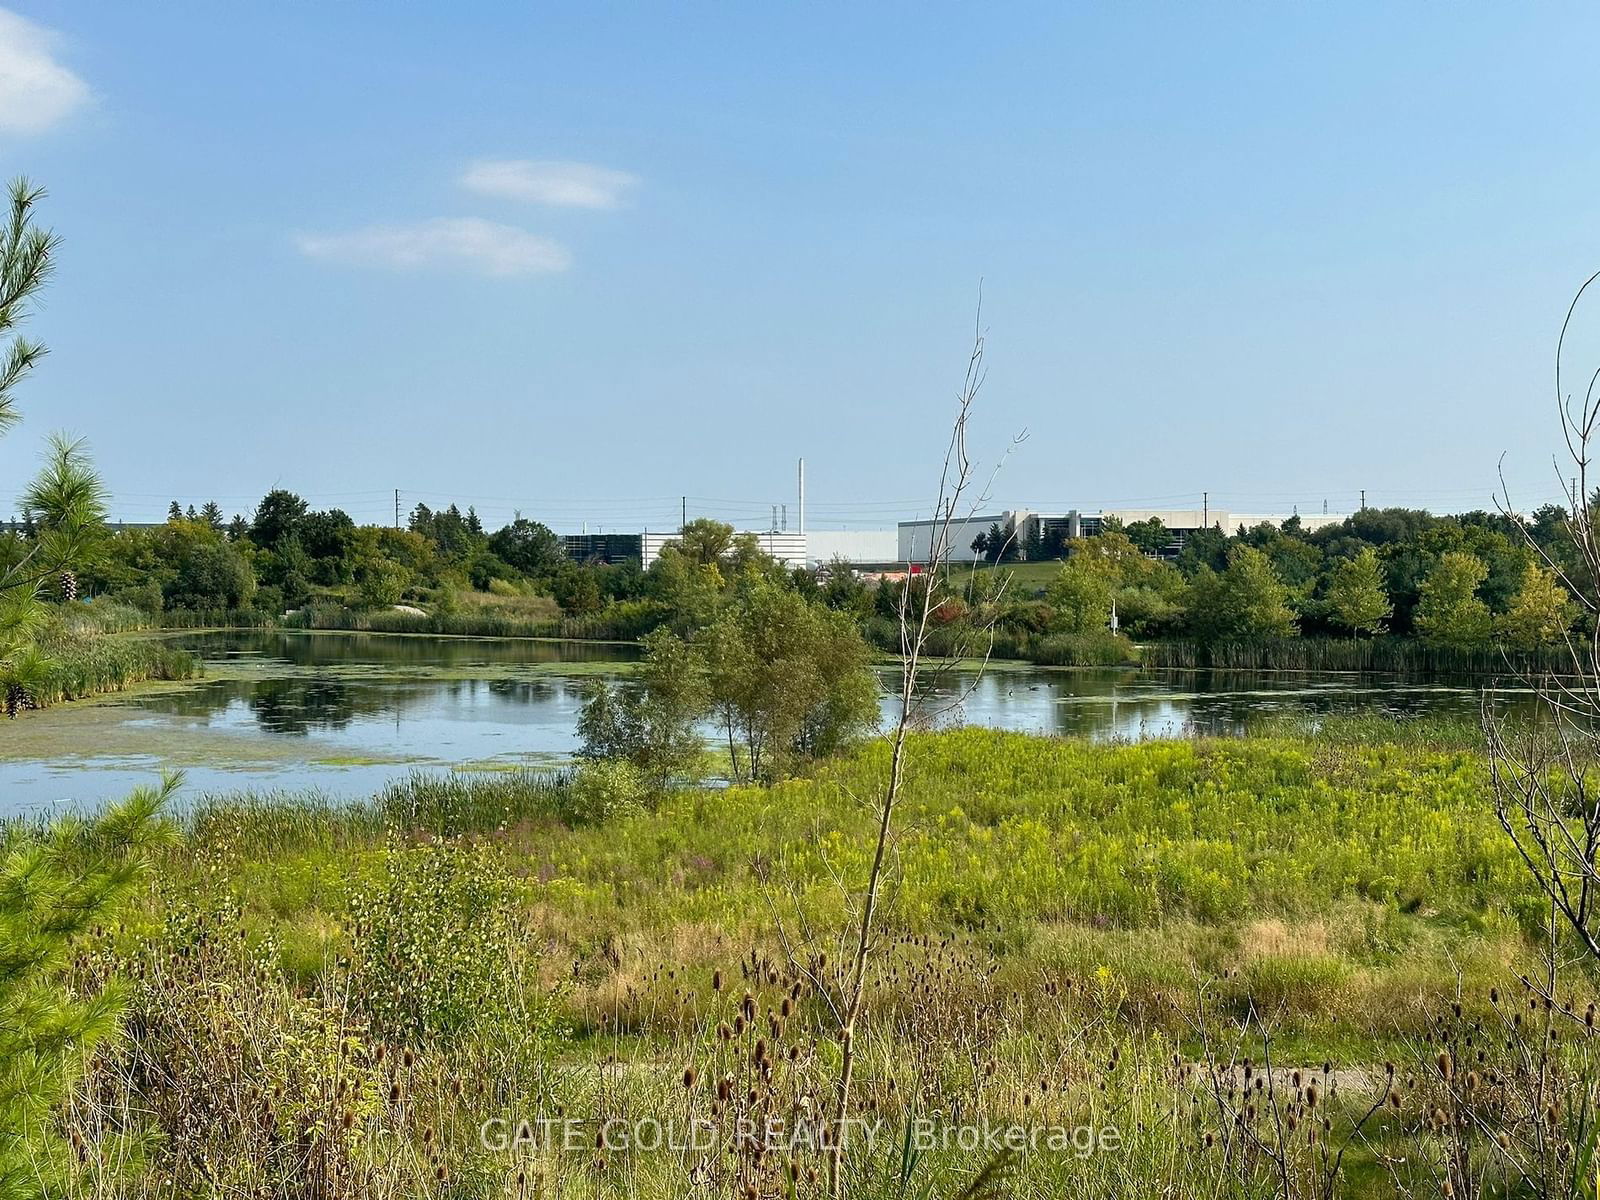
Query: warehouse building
point(1054, 529)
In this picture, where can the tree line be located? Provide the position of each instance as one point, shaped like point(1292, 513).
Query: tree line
point(1468, 581)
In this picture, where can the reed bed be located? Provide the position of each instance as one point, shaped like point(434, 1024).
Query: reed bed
point(1383, 655)
point(83, 659)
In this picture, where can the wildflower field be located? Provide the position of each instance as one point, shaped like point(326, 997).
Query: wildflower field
point(1277, 965)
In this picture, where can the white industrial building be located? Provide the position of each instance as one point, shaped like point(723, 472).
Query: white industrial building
point(823, 546)
point(916, 537)
point(915, 542)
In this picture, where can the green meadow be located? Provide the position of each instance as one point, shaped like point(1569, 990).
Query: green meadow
point(362, 1000)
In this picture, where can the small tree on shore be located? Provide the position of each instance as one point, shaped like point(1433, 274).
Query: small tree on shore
point(1540, 612)
point(1082, 594)
point(1449, 612)
point(651, 723)
point(1357, 600)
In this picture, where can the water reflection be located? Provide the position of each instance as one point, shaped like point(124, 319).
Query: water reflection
point(346, 712)
point(1136, 703)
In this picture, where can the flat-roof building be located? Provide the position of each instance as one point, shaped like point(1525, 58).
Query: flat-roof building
point(1056, 528)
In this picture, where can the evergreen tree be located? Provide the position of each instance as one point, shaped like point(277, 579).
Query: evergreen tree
point(174, 512)
point(1356, 597)
point(67, 503)
point(211, 514)
point(1033, 546)
point(64, 510)
point(55, 886)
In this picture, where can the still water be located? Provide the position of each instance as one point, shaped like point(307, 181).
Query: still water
point(344, 713)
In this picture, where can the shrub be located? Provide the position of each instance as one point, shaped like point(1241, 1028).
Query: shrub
point(431, 941)
point(606, 788)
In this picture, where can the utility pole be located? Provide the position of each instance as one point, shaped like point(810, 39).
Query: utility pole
point(683, 513)
point(1205, 510)
point(1363, 499)
point(397, 508)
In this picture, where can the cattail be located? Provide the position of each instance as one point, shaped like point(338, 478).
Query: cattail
point(688, 1077)
point(1447, 1066)
point(716, 981)
point(748, 1007)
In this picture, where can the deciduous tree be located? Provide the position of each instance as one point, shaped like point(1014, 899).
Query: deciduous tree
point(1356, 597)
point(1449, 612)
point(1541, 611)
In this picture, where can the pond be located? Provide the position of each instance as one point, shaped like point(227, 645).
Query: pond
point(346, 712)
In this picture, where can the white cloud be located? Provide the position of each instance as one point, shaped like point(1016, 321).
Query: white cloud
point(35, 90)
point(561, 184)
point(460, 242)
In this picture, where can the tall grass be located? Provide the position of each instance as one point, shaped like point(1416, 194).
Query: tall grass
point(1103, 649)
point(345, 994)
point(1384, 655)
point(214, 618)
point(84, 661)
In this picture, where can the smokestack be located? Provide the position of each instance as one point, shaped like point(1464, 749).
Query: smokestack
point(801, 528)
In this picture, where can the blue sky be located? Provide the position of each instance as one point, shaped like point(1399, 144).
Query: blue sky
point(581, 260)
